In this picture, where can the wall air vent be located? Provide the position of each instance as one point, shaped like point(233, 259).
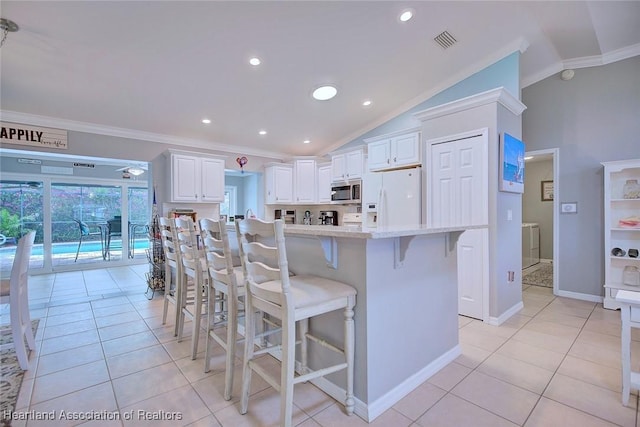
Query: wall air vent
point(84, 165)
point(445, 39)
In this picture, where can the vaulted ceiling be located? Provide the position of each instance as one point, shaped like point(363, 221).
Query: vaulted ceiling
point(156, 69)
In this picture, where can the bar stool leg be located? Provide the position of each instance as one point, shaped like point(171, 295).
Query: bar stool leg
point(626, 353)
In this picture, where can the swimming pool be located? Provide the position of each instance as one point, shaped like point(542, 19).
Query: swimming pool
point(72, 247)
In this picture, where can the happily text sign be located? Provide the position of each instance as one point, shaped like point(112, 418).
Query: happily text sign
point(33, 136)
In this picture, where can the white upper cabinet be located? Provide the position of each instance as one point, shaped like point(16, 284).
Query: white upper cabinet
point(347, 165)
point(278, 180)
point(324, 183)
point(305, 178)
point(196, 179)
point(394, 151)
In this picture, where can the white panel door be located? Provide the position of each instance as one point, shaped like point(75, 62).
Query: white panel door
point(472, 182)
point(473, 272)
point(441, 200)
point(459, 183)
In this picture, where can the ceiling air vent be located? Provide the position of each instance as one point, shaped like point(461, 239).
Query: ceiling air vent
point(445, 39)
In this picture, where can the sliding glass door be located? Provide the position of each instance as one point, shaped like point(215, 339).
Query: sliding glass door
point(76, 223)
point(20, 212)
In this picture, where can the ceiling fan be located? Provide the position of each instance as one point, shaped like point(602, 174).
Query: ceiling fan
point(135, 170)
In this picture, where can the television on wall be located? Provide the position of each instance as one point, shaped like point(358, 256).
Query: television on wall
point(511, 164)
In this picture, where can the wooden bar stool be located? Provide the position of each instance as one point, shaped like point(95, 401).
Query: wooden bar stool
point(630, 314)
point(293, 300)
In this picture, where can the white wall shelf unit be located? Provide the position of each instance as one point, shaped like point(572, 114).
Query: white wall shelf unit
point(622, 235)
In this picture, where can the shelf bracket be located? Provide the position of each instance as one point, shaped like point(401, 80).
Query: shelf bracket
point(330, 249)
point(451, 240)
point(400, 246)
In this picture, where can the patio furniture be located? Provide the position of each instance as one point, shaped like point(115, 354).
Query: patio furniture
point(85, 231)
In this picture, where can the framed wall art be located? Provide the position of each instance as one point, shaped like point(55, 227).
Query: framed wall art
point(546, 191)
point(511, 164)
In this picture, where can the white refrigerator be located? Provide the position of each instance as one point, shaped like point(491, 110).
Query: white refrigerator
point(392, 198)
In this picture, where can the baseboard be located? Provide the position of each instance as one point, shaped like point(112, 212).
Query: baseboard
point(580, 296)
point(497, 321)
point(375, 409)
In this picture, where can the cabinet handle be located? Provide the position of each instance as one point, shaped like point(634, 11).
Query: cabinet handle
point(388, 161)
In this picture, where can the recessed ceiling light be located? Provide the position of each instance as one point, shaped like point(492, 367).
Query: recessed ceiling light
point(366, 103)
point(206, 121)
point(306, 141)
point(406, 15)
point(263, 132)
point(528, 158)
point(324, 93)
point(254, 61)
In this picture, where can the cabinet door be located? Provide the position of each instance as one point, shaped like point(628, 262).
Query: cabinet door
point(278, 183)
point(185, 182)
point(338, 167)
point(379, 155)
point(353, 164)
point(405, 150)
point(212, 185)
point(305, 181)
point(324, 183)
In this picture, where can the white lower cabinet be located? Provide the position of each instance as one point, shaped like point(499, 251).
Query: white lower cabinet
point(196, 179)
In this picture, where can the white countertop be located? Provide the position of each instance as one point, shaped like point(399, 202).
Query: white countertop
point(368, 233)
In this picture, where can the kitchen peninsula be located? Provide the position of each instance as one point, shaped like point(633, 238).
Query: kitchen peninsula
point(406, 314)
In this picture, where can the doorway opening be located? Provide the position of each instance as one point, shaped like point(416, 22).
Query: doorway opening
point(540, 203)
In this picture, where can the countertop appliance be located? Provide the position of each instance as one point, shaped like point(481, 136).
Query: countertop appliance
point(328, 218)
point(289, 217)
point(352, 220)
point(392, 198)
point(346, 193)
point(530, 244)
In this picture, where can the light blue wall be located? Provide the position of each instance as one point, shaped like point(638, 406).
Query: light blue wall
point(505, 73)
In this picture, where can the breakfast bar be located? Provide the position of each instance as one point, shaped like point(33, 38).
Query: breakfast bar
point(406, 316)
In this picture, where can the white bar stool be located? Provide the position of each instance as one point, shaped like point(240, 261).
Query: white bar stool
point(630, 314)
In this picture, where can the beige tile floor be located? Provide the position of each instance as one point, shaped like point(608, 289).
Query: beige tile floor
point(102, 347)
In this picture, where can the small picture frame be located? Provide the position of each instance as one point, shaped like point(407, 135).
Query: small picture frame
point(569, 208)
point(546, 191)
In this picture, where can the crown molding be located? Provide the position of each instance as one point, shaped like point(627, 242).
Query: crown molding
point(499, 95)
point(75, 126)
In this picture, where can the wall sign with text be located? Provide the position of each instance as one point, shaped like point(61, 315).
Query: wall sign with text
point(33, 136)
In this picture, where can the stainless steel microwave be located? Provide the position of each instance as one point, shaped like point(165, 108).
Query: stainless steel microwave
point(345, 193)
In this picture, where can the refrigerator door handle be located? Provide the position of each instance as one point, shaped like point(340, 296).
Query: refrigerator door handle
point(381, 207)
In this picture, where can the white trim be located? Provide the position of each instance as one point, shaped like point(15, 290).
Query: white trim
point(94, 128)
point(580, 296)
point(499, 95)
point(374, 409)
point(497, 321)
